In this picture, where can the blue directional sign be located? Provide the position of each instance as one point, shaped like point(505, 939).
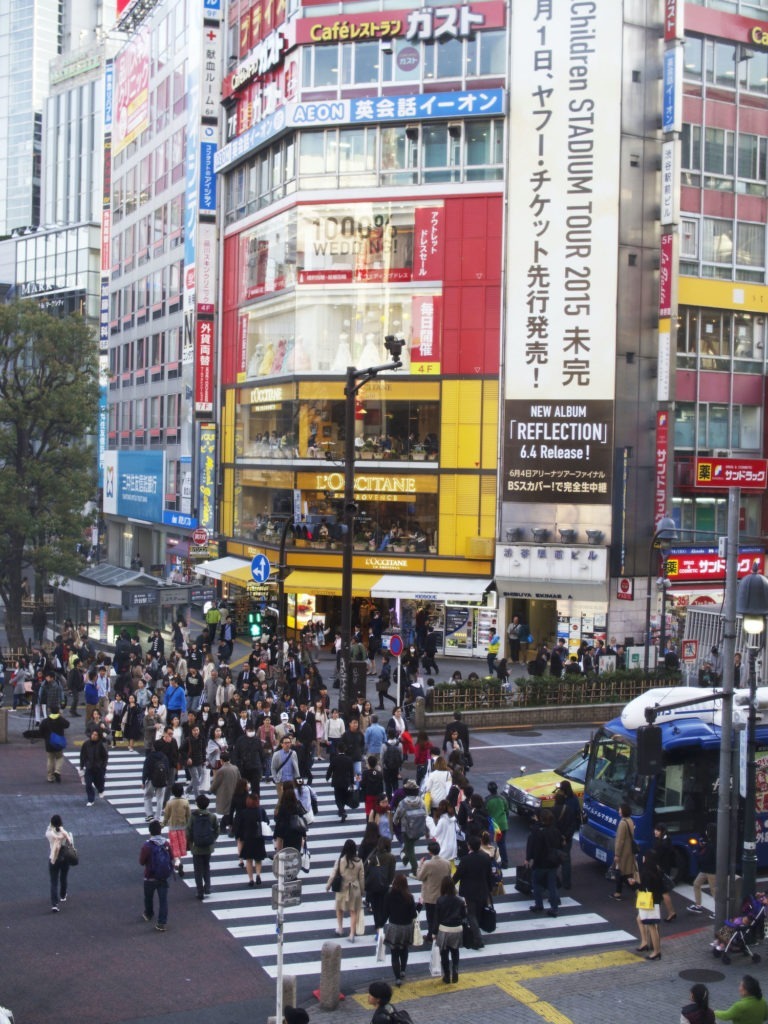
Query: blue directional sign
point(260, 568)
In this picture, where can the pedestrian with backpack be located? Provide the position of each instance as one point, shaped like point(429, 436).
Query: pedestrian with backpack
point(155, 858)
point(391, 761)
point(155, 778)
point(202, 833)
point(411, 816)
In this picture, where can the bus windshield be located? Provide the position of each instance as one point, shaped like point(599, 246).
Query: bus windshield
point(612, 776)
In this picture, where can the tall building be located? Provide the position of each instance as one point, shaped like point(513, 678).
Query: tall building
point(712, 398)
point(30, 38)
point(158, 223)
point(362, 185)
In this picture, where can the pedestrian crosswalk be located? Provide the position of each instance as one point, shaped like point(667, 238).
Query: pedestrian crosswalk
point(248, 915)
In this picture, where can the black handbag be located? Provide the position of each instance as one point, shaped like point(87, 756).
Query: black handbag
point(68, 853)
point(487, 919)
point(523, 881)
point(336, 881)
point(353, 797)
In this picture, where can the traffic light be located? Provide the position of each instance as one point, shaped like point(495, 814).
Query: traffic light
point(254, 624)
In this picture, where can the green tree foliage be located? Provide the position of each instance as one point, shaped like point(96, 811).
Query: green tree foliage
point(48, 408)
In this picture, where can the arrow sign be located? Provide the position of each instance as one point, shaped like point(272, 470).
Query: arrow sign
point(260, 568)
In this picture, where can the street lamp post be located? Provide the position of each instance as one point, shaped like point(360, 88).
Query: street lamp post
point(355, 380)
point(752, 604)
point(666, 531)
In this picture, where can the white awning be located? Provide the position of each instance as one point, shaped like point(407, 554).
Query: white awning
point(219, 567)
point(432, 588)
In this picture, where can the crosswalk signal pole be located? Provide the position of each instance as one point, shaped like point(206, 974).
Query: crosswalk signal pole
point(280, 920)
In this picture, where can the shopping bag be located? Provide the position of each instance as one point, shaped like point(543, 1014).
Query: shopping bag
point(360, 928)
point(418, 938)
point(427, 798)
point(435, 967)
point(381, 953)
point(306, 860)
point(644, 900)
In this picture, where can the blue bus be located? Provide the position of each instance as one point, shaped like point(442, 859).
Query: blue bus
point(683, 796)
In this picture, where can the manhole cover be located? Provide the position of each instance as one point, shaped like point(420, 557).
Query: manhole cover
point(696, 974)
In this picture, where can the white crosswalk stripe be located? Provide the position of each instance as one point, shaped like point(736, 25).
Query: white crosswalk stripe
point(248, 915)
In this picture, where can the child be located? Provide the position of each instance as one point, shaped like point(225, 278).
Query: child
point(176, 817)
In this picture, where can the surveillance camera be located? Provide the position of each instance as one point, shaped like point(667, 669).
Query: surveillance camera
point(523, 769)
point(394, 346)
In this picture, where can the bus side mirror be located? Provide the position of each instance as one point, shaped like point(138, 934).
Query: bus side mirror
point(649, 756)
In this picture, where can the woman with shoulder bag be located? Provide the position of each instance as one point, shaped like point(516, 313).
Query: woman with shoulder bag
point(348, 875)
point(380, 867)
point(662, 847)
point(58, 864)
point(450, 911)
point(400, 908)
point(648, 918)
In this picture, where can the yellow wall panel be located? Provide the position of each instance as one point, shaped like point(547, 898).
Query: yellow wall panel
point(226, 516)
point(694, 291)
point(469, 446)
point(228, 426)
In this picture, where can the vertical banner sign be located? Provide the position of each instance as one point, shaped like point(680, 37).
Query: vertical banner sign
point(428, 243)
point(661, 496)
point(425, 334)
point(200, 240)
point(669, 189)
point(564, 143)
point(673, 19)
point(106, 260)
point(665, 277)
point(206, 476)
point(672, 103)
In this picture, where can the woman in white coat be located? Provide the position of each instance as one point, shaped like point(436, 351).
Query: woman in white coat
point(443, 830)
point(439, 782)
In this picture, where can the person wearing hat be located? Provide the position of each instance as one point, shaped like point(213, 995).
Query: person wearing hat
point(497, 807)
point(284, 728)
point(52, 731)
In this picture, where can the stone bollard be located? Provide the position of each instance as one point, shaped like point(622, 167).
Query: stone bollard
point(289, 994)
point(330, 973)
point(3, 725)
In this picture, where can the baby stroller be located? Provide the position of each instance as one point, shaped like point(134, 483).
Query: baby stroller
point(743, 931)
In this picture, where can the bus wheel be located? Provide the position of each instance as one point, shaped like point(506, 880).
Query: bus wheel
point(680, 872)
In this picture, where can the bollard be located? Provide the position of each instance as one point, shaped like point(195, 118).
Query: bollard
point(3, 725)
point(330, 973)
point(289, 995)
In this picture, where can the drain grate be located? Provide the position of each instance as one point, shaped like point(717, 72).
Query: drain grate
point(699, 974)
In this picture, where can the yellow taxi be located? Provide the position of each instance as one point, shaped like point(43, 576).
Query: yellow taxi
point(528, 794)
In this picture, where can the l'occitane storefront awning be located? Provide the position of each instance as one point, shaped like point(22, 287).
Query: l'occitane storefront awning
point(433, 588)
point(328, 583)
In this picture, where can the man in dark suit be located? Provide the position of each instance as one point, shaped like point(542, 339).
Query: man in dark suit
point(474, 878)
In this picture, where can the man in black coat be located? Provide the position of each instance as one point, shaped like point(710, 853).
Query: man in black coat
point(341, 775)
point(474, 878)
point(542, 854)
point(248, 755)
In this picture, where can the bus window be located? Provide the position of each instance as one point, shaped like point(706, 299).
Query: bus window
point(686, 791)
point(613, 778)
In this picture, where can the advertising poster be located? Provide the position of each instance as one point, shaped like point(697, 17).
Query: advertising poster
point(560, 350)
point(131, 91)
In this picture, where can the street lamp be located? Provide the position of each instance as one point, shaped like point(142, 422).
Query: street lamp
point(752, 604)
point(355, 380)
point(666, 532)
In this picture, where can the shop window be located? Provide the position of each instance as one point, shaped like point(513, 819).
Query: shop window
point(721, 67)
point(693, 57)
point(357, 157)
point(690, 154)
point(753, 156)
point(753, 68)
point(718, 158)
point(484, 148)
point(493, 52)
point(717, 241)
point(440, 152)
point(750, 245)
point(399, 154)
point(320, 68)
point(361, 63)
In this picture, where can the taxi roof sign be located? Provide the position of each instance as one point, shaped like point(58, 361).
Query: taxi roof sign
point(721, 474)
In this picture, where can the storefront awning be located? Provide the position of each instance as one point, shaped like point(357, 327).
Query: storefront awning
point(551, 590)
point(432, 588)
point(328, 583)
point(219, 568)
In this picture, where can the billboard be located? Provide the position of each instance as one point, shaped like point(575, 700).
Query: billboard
point(565, 133)
point(131, 91)
point(134, 485)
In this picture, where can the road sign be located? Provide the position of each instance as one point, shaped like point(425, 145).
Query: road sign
point(287, 862)
point(260, 568)
point(198, 551)
point(289, 897)
point(257, 590)
point(396, 645)
point(200, 536)
point(720, 474)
